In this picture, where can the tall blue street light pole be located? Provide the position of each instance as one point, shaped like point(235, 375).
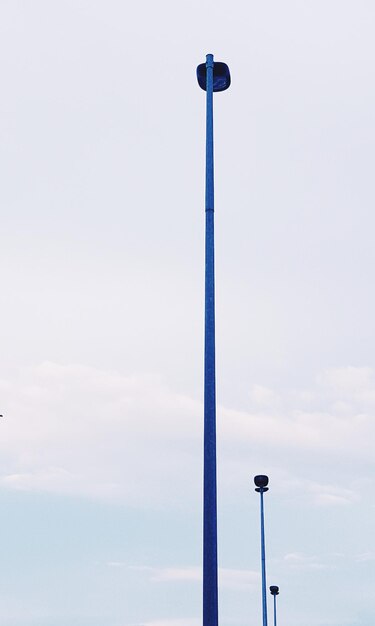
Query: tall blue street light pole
point(211, 77)
point(274, 592)
point(261, 483)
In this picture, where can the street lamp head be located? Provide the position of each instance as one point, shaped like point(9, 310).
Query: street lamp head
point(221, 76)
point(261, 483)
point(274, 590)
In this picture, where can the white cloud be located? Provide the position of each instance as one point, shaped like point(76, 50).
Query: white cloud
point(173, 622)
point(350, 379)
point(366, 556)
point(263, 396)
point(331, 494)
point(238, 578)
point(79, 430)
point(299, 560)
point(356, 384)
point(169, 574)
point(228, 578)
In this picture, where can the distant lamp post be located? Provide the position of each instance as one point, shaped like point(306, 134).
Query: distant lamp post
point(211, 77)
point(261, 483)
point(274, 592)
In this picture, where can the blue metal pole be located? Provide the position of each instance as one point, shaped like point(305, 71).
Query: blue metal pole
point(274, 610)
point(263, 555)
point(210, 585)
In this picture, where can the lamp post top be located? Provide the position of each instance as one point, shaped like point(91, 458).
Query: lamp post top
point(274, 590)
point(261, 482)
point(221, 74)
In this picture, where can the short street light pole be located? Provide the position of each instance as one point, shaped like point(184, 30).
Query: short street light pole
point(261, 483)
point(274, 592)
point(211, 77)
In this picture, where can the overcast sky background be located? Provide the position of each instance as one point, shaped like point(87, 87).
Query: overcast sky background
point(101, 335)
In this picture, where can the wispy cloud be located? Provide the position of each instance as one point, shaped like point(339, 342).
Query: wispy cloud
point(238, 578)
point(228, 578)
point(170, 574)
point(326, 494)
point(366, 556)
point(299, 560)
point(174, 622)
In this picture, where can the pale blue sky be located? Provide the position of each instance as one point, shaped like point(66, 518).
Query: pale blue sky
point(101, 274)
